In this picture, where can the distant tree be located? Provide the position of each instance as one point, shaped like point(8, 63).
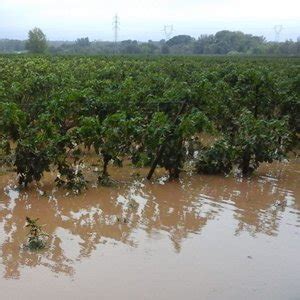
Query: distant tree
point(180, 39)
point(10, 46)
point(37, 42)
point(130, 47)
point(148, 48)
point(202, 45)
point(259, 50)
point(83, 42)
point(165, 49)
point(226, 41)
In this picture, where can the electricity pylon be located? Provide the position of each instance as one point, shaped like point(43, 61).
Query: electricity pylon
point(277, 29)
point(116, 28)
point(168, 31)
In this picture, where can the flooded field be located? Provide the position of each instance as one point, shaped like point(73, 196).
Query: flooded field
point(205, 237)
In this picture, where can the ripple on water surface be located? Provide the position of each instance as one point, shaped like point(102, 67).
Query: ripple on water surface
point(203, 237)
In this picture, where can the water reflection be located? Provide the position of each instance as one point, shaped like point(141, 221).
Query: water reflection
point(78, 226)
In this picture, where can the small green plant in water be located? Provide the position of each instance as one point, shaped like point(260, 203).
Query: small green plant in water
point(122, 220)
point(36, 236)
point(106, 181)
point(133, 205)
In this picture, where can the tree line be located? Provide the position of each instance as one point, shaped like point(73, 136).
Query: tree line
point(222, 43)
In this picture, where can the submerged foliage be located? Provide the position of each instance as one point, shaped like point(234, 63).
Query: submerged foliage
point(128, 108)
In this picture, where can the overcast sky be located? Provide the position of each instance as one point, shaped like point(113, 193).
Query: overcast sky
point(145, 19)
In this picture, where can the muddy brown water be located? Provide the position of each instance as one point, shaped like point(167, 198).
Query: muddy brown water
point(205, 237)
